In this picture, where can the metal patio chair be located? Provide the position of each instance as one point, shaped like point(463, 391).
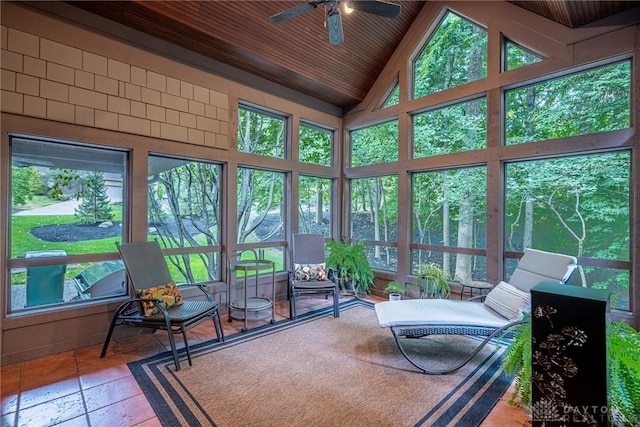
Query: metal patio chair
point(157, 305)
point(309, 275)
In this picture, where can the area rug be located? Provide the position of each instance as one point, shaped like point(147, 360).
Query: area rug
point(321, 371)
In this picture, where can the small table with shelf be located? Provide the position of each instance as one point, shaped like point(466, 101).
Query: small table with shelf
point(255, 307)
point(482, 287)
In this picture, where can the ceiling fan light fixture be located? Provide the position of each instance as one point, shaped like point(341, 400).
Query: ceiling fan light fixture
point(346, 7)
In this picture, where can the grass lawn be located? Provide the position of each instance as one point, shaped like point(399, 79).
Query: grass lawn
point(22, 242)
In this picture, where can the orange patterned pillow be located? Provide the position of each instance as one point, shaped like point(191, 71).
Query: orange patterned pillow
point(169, 294)
point(309, 272)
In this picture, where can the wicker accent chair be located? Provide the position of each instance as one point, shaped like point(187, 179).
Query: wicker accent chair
point(500, 310)
point(148, 275)
point(309, 275)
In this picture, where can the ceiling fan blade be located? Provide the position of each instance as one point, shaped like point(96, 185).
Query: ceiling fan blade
point(294, 11)
point(380, 8)
point(334, 24)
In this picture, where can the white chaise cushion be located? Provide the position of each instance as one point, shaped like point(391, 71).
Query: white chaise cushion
point(508, 301)
point(416, 312)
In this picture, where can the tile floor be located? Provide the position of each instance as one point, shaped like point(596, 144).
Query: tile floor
point(78, 389)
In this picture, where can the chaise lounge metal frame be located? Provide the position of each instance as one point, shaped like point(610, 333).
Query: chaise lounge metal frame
point(419, 318)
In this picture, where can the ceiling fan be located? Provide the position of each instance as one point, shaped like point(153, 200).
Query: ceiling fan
point(334, 18)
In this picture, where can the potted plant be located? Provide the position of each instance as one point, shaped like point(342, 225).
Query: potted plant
point(350, 263)
point(432, 282)
point(395, 290)
point(624, 365)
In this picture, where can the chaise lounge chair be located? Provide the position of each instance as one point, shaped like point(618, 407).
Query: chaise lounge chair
point(500, 311)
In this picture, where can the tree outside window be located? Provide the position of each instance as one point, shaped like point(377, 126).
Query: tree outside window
point(574, 205)
point(315, 145)
point(184, 212)
point(455, 54)
point(449, 210)
point(593, 101)
point(374, 217)
point(64, 203)
point(261, 133)
point(314, 209)
point(375, 144)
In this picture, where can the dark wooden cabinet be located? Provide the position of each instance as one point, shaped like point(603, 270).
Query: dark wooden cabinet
point(569, 355)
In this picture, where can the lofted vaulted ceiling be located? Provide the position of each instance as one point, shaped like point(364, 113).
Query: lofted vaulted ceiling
point(296, 54)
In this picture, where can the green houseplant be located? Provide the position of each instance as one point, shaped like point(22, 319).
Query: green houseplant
point(351, 265)
point(395, 290)
point(624, 365)
point(432, 282)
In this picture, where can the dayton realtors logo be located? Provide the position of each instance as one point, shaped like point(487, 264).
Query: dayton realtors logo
point(549, 414)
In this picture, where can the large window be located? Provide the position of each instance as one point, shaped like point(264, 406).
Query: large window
point(66, 201)
point(449, 212)
point(315, 205)
point(374, 217)
point(375, 144)
point(315, 145)
point(456, 54)
point(261, 206)
point(261, 133)
point(592, 101)
point(577, 206)
point(458, 127)
point(184, 212)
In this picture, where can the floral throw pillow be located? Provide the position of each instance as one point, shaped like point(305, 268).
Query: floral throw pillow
point(168, 293)
point(309, 272)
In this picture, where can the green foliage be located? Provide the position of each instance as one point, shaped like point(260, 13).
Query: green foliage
point(624, 371)
point(395, 287)
point(350, 262)
point(451, 129)
point(624, 366)
point(259, 133)
point(64, 178)
point(375, 144)
point(517, 361)
point(394, 98)
point(25, 183)
point(432, 282)
point(314, 145)
point(456, 54)
point(593, 101)
point(95, 202)
point(519, 57)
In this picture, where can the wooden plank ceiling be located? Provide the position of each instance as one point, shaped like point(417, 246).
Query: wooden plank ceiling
point(296, 54)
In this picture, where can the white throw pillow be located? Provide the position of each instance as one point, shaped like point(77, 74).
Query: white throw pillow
point(508, 301)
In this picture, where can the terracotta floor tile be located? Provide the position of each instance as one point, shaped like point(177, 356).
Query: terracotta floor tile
point(103, 376)
point(51, 385)
point(10, 378)
point(141, 345)
point(110, 393)
point(52, 412)
point(86, 366)
point(153, 422)
point(123, 414)
point(81, 421)
point(10, 402)
point(8, 420)
point(46, 393)
point(47, 370)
